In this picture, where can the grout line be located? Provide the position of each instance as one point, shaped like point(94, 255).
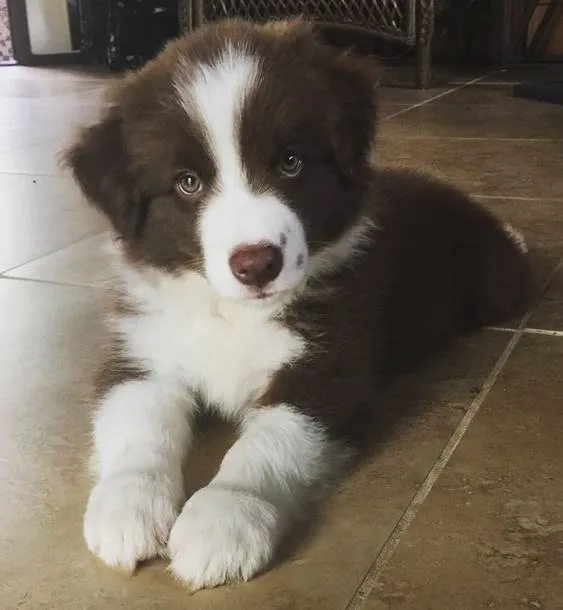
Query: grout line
point(517, 197)
point(389, 548)
point(502, 329)
point(451, 104)
point(471, 138)
point(528, 331)
point(492, 83)
point(371, 576)
point(31, 174)
point(5, 272)
point(543, 331)
point(436, 97)
point(33, 280)
point(558, 267)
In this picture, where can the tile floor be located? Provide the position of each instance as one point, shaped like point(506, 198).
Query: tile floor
point(458, 503)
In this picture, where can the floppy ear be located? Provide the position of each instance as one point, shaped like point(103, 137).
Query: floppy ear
point(99, 162)
point(352, 81)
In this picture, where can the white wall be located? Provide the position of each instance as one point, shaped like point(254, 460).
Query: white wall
point(49, 31)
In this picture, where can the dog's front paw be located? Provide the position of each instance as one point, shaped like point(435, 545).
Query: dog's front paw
point(129, 517)
point(223, 536)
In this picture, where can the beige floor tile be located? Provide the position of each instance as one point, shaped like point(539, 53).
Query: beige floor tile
point(46, 88)
point(55, 76)
point(516, 73)
point(490, 534)
point(37, 159)
point(19, 112)
point(549, 314)
point(540, 220)
point(483, 94)
point(51, 334)
point(460, 115)
point(41, 214)
point(486, 167)
point(490, 95)
point(14, 138)
point(386, 111)
point(54, 334)
point(409, 95)
point(84, 263)
point(52, 132)
point(35, 112)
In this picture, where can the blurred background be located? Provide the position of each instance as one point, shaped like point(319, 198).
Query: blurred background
point(425, 38)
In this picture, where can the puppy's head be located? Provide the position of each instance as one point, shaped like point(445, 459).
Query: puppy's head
point(240, 153)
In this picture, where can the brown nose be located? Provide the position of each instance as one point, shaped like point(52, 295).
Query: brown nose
point(256, 264)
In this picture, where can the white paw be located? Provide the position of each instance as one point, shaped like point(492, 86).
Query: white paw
point(129, 517)
point(223, 536)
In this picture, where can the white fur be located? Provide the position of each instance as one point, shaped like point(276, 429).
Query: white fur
point(234, 215)
point(343, 251)
point(516, 237)
point(129, 517)
point(228, 531)
point(191, 340)
point(223, 536)
point(141, 434)
point(197, 335)
point(234, 218)
point(161, 432)
point(225, 350)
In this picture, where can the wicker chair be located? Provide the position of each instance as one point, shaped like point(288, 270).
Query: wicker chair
point(408, 21)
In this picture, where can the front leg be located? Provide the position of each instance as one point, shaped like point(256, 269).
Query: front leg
point(229, 530)
point(141, 434)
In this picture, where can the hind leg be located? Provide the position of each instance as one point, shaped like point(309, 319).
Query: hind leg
point(504, 281)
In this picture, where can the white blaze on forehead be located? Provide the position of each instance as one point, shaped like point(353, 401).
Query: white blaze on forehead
point(214, 94)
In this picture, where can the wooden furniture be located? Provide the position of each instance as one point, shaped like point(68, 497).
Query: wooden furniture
point(407, 21)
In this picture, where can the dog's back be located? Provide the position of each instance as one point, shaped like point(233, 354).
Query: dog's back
point(434, 265)
point(450, 267)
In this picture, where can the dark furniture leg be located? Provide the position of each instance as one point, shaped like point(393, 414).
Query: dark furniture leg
point(424, 34)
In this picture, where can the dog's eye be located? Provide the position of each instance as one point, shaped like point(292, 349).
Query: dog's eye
point(291, 164)
point(187, 184)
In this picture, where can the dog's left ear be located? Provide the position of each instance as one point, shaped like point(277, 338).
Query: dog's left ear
point(353, 82)
point(100, 165)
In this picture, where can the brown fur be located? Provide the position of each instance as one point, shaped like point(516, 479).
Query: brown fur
point(438, 265)
point(128, 162)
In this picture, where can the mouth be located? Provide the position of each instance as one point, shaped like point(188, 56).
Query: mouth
point(262, 295)
point(265, 295)
point(282, 292)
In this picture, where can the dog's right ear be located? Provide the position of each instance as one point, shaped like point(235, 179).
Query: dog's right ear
point(99, 162)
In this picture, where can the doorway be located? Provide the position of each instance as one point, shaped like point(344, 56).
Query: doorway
point(43, 32)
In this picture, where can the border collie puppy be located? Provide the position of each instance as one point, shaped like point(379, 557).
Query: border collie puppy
point(269, 272)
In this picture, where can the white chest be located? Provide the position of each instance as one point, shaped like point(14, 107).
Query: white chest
point(227, 353)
